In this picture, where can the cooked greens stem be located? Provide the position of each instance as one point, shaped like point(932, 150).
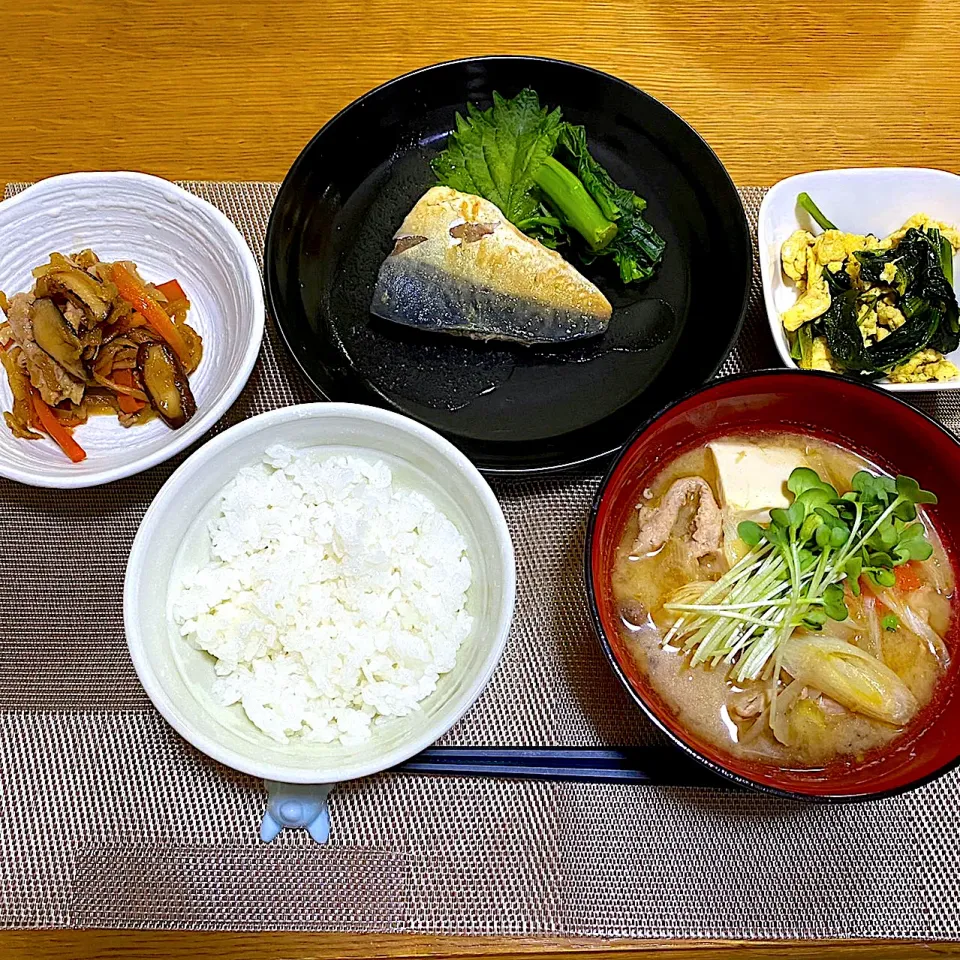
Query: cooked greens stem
point(567, 193)
point(805, 202)
point(538, 221)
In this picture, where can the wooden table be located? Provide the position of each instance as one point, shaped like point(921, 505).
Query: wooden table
point(204, 89)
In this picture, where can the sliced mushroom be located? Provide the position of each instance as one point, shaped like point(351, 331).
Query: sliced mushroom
point(80, 286)
point(55, 337)
point(165, 383)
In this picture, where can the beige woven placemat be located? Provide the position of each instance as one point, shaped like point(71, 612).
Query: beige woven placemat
point(108, 819)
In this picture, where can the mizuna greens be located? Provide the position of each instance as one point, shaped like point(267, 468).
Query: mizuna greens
point(798, 566)
point(538, 170)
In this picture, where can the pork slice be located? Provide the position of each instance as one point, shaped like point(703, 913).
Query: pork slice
point(50, 379)
point(748, 704)
point(656, 523)
point(18, 317)
point(74, 315)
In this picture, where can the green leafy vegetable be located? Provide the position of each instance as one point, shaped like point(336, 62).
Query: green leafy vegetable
point(805, 202)
point(511, 155)
point(930, 305)
point(799, 565)
point(904, 342)
point(636, 248)
point(496, 153)
point(793, 340)
point(843, 332)
point(946, 257)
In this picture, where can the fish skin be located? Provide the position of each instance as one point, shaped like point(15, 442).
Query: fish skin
point(418, 295)
point(460, 267)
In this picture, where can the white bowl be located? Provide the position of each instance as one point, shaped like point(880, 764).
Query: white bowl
point(177, 677)
point(874, 201)
point(168, 233)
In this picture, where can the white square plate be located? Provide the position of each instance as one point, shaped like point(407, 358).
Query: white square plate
point(876, 201)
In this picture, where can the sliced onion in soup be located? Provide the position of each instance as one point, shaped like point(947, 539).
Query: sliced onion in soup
point(850, 676)
point(910, 619)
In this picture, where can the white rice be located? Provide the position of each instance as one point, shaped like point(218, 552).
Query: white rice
point(333, 596)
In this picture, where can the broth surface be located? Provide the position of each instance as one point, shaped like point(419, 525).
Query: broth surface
point(705, 699)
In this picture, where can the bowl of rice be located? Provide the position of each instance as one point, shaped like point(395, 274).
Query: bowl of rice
point(319, 593)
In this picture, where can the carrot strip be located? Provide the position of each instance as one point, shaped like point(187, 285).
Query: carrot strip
point(172, 290)
point(126, 403)
point(134, 292)
point(58, 433)
point(907, 578)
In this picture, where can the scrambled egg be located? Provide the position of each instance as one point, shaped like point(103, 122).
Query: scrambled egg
point(889, 316)
point(927, 366)
point(820, 356)
point(814, 301)
point(793, 254)
point(878, 320)
point(804, 258)
point(834, 246)
point(921, 221)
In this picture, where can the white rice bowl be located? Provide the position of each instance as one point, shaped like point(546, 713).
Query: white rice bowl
point(173, 538)
point(333, 597)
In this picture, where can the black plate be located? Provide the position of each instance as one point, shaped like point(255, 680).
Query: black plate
point(509, 408)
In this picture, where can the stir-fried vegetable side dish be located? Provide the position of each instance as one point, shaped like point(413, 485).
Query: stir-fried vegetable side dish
point(788, 599)
point(870, 308)
point(538, 170)
point(94, 338)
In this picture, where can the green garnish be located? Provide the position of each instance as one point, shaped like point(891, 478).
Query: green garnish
point(805, 202)
point(799, 564)
point(538, 170)
point(890, 622)
point(496, 153)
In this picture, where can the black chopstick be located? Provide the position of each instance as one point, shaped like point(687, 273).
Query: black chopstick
point(638, 765)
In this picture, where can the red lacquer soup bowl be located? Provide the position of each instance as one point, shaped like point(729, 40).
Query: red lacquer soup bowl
point(864, 419)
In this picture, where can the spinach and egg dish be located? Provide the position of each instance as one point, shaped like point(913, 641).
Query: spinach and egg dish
point(870, 307)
